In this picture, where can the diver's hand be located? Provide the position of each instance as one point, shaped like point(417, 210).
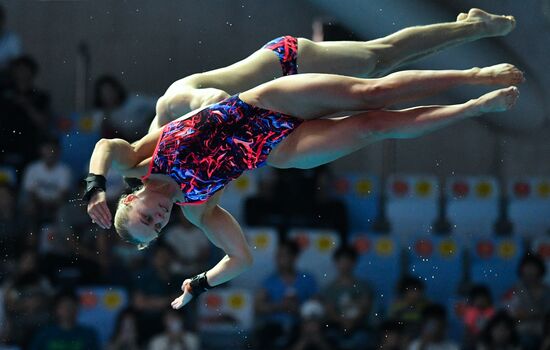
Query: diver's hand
point(99, 211)
point(186, 297)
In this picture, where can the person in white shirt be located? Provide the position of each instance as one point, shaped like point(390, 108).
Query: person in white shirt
point(174, 337)
point(46, 183)
point(192, 248)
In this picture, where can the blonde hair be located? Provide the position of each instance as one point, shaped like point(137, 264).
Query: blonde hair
point(121, 223)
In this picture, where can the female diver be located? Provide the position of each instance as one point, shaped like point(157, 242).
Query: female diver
point(296, 121)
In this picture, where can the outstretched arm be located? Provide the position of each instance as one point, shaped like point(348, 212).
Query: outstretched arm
point(224, 232)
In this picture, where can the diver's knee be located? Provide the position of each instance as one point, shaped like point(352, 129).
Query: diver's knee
point(162, 106)
point(383, 59)
point(171, 106)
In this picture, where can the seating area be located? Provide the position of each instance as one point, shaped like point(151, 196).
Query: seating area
point(448, 263)
point(449, 233)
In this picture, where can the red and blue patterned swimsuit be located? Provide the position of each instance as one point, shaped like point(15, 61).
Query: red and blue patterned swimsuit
point(286, 47)
point(206, 151)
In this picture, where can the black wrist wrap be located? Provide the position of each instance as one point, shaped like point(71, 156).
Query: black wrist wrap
point(199, 284)
point(94, 183)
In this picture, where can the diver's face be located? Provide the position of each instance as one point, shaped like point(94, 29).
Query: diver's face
point(148, 215)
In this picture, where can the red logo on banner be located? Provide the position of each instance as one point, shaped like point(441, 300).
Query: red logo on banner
point(341, 186)
point(88, 300)
point(362, 245)
point(544, 251)
point(400, 188)
point(65, 124)
point(485, 249)
point(522, 189)
point(461, 189)
point(213, 301)
point(303, 241)
point(424, 248)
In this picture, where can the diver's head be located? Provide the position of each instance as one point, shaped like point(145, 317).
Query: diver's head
point(142, 214)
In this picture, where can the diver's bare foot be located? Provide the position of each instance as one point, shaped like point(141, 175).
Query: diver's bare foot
point(501, 74)
point(494, 25)
point(498, 101)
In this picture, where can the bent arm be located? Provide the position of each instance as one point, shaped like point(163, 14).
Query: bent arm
point(116, 153)
point(125, 157)
point(224, 231)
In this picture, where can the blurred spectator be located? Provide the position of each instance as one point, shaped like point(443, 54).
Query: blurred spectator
point(174, 337)
point(72, 217)
point(128, 257)
point(119, 114)
point(27, 297)
point(278, 301)
point(259, 210)
point(6, 342)
point(545, 344)
point(499, 334)
point(191, 247)
point(529, 300)
point(392, 336)
point(66, 333)
point(297, 197)
point(46, 183)
point(348, 302)
point(154, 289)
point(125, 334)
point(10, 45)
point(9, 225)
point(62, 261)
point(26, 113)
point(329, 211)
point(311, 335)
point(410, 304)
point(477, 312)
point(433, 334)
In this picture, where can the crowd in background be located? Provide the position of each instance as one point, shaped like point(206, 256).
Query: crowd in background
point(50, 248)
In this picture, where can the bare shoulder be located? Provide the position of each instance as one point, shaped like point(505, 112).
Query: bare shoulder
point(145, 146)
point(195, 213)
point(141, 169)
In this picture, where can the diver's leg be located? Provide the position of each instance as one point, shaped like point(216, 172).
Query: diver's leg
point(311, 96)
point(377, 57)
point(317, 142)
